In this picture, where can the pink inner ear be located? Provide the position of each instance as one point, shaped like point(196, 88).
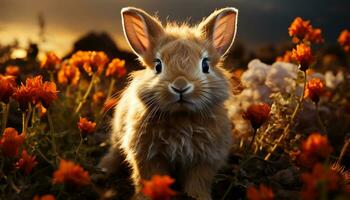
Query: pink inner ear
point(136, 31)
point(224, 31)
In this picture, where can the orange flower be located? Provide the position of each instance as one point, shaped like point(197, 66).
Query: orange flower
point(71, 173)
point(299, 29)
point(261, 193)
point(44, 197)
point(314, 149)
point(45, 92)
point(257, 114)
point(322, 180)
point(68, 75)
point(287, 57)
point(109, 104)
point(158, 188)
point(48, 93)
point(344, 40)
point(35, 91)
point(315, 88)
point(302, 30)
point(238, 73)
point(98, 97)
point(26, 162)
point(303, 55)
point(7, 87)
point(50, 62)
point(116, 68)
point(90, 61)
point(12, 70)
point(23, 95)
point(315, 35)
point(10, 142)
point(85, 126)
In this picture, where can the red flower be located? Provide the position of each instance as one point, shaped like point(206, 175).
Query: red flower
point(90, 61)
point(302, 30)
point(109, 104)
point(98, 97)
point(7, 87)
point(116, 68)
point(321, 181)
point(261, 193)
point(287, 57)
point(71, 173)
point(10, 142)
point(315, 35)
point(303, 56)
point(48, 93)
point(315, 88)
point(238, 73)
point(314, 149)
point(344, 40)
point(257, 114)
point(12, 70)
point(35, 91)
point(26, 162)
point(68, 74)
point(85, 126)
point(158, 188)
point(44, 197)
point(50, 62)
point(23, 95)
point(299, 29)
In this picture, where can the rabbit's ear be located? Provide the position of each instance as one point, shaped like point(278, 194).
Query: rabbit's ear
point(140, 29)
point(220, 28)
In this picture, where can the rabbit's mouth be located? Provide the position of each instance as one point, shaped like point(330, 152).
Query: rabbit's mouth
point(181, 104)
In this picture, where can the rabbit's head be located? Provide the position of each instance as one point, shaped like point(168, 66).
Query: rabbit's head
point(183, 71)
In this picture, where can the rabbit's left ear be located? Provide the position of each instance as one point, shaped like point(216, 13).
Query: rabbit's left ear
point(220, 29)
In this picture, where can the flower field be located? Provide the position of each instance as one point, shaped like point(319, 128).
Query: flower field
point(291, 125)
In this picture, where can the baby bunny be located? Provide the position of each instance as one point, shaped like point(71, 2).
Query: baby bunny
point(172, 118)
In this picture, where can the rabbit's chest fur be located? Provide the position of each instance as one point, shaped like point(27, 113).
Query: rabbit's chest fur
point(178, 137)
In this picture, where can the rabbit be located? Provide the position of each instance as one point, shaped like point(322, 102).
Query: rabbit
point(172, 118)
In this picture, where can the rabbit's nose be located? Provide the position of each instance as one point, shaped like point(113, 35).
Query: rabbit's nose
point(180, 85)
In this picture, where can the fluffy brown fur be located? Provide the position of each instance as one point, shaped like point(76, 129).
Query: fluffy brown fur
point(152, 129)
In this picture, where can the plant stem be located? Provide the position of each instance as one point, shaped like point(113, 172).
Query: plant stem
point(33, 115)
point(23, 123)
point(111, 86)
point(52, 79)
point(68, 90)
point(78, 148)
point(287, 128)
point(252, 141)
point(5, 111)
point(44, 157)
point(228, 190)
point(26, 119)
point(88, 91)
point(319, 119)
point(343, 151)
point(52, 131)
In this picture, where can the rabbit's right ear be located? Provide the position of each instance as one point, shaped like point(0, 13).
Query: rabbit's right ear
point(140, 29)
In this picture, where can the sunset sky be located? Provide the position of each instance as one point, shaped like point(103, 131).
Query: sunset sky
point(260, 21)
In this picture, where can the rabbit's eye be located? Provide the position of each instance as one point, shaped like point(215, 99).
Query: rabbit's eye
point(158, 66)
point(205, 65)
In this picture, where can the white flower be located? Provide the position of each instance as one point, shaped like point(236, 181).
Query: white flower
point(332, 81)
point(281, 77)
point(255, 74)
